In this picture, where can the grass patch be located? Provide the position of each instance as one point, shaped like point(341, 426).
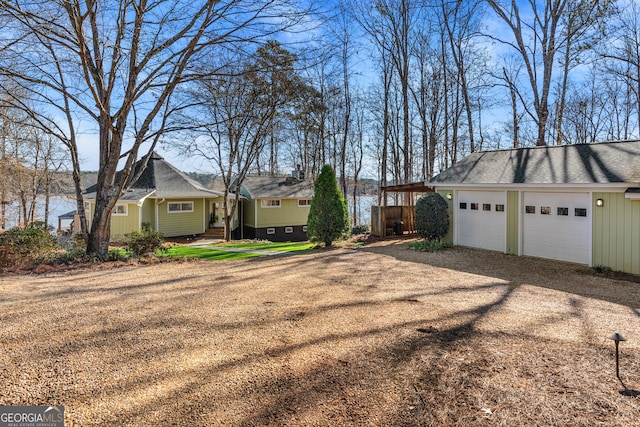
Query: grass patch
point(428, 246)
point(281, 247)
point(206, 254)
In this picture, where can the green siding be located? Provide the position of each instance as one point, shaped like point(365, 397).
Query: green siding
point(616, 233)
point(149, 212)
point(512, 222)
point(182, 223)
point(249, 212)
point(287, 214)
point(120, 225)
point(448, 238)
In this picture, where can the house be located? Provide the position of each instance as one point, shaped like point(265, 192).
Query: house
point(276, 208)
point(577, 203)
point(166, 200)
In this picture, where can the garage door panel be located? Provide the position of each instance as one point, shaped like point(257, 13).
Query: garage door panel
point(563, 237)
point(480, 225)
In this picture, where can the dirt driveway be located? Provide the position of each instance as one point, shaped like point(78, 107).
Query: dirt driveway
point(378, 335)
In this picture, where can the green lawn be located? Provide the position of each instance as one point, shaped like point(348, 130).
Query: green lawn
point(205, 253)
point(212, 254)
point(282, 247)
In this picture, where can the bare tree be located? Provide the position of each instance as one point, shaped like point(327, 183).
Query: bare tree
point(389, 25)
point(116, 65)
point(623, 63)
point(236, 131)
point(554, 25)
point(459, 21)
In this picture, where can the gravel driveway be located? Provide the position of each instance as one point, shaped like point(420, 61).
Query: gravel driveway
point(378, 335)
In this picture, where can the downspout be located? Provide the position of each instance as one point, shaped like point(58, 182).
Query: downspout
point(158, 203)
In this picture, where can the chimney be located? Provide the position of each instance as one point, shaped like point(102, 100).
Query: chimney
point(298, 174)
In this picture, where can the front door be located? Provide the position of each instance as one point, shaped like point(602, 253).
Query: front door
point(216, 218)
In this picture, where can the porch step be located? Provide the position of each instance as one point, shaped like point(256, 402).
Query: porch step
point(214, 233)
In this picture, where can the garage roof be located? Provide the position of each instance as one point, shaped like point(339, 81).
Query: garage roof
point(609, 162)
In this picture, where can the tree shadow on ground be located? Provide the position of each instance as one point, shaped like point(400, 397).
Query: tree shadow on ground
point(520, 270)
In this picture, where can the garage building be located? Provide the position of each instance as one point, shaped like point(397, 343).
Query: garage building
point(576, 203)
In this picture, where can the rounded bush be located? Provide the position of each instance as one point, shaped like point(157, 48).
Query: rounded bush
point(143, 241)
point(432, 217)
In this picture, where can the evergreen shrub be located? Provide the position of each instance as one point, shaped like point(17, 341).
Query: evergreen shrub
point(432, 217)
point(328, 215)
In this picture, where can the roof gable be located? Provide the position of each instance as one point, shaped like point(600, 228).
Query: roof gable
point(164, 180)
point(612, 162)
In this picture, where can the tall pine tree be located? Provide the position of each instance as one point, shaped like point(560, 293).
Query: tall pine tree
point(328, 216)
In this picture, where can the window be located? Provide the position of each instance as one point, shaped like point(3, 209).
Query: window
point(545, 210)
point(530, 209)
point(178, 207)
point(87, 206)
point(474, 206)
point(288, 229)
point(271, 231)
point(486, 206)
point(463, 205)
point(304, 228)
point(302, 203)
point(270, 203)
point(581, 212)
point(499, 208)
point(563, 212)
point(120, 210)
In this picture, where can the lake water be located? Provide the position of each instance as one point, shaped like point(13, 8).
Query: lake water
point(58, 205)
point(363, 215)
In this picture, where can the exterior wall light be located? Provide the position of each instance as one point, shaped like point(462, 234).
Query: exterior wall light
point(449, 196)
point(599, 203)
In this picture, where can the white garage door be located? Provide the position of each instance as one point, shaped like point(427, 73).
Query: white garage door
point(482, 219)
point(557, 226)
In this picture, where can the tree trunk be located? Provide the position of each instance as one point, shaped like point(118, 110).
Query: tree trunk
point(100, 234)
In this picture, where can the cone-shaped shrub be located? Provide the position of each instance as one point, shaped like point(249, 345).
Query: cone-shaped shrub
point(328, 216)
point(432, 217)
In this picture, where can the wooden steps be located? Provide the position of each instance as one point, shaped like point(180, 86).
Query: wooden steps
point(213, 233)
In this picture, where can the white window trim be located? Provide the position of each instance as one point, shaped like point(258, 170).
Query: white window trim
point(304, 205)
point(271, 230)
point(263, 204)
point(180, 203)
point(288, 230)
point(126, 210)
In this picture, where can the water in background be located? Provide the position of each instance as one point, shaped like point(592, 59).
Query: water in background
point(58, 205)
point(364, 203)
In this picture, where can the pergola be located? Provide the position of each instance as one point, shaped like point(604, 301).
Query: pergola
point(397, 219)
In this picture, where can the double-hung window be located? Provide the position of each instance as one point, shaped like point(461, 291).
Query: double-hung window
point(179, 207)
point(270, 203)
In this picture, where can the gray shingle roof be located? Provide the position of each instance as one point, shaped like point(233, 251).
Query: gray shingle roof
point(611, 162)
point(164, 181)
point(281, 187)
